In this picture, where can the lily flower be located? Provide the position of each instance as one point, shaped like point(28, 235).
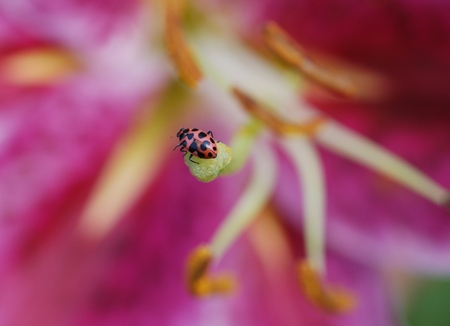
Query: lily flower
point(103, 224)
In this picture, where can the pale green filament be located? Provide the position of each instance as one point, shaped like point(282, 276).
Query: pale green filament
point(242, 144)
point(251, 202)
point(310, 177)
point(206, 170)
point(347, 143)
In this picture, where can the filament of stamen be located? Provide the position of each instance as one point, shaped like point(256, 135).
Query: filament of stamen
point(309, 171)
point(347, 143)
point(250, 203)
point(242, 144)
point(310, 177)
point(177, 48)
point(130, 168)
point(288, 50)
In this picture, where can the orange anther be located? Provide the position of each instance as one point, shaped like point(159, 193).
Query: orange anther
point(289, 51)
point(331, 299)
point(273, 122)
point(198, 281)
point(177, 48)
point(38, 66)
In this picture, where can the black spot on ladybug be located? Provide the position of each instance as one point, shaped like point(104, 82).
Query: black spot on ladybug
point(210, 154)
point(201, 135)
point(215, 148)
point(201, 155)
point(213, 141)
point(190, 136)
point(193, 147)
point(204, 146)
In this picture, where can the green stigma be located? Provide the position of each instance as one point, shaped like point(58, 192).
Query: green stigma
point(206, 170)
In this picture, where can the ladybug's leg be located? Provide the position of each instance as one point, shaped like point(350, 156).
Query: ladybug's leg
point(177, 146)
point(190, 158)
point(184, 151)
point(183, 144)
point(211, 134)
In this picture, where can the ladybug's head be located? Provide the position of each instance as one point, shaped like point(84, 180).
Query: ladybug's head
point(181, 133)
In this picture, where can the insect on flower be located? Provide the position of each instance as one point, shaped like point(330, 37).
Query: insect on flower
point(197, 143)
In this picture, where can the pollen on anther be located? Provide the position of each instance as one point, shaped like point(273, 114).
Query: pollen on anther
point(289, 51)
point(177, 48)
point(198, 281)
point(272, 121)
point(331, 299)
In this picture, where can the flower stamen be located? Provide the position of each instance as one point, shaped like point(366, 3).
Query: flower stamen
point(289, 51)
point(38, 66)
point(275, 123)
point(367, 153)
point(198, 280)
point(242, 144)
point(246, 210)
point(251, 202)
point(310, 176)
point(331, 299)
point(177, 48)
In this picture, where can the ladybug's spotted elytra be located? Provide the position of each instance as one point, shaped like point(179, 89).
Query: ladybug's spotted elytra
point(197, 143)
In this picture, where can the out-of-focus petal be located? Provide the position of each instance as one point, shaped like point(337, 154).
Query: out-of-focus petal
point(406, 40)
point(136, 274)
point(81, 24)
point(55, 139)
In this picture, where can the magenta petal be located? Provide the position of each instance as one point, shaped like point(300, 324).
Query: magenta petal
point(137, 276)
point(54, 141)
point(71, 23)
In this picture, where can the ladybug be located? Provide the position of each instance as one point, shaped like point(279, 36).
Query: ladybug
point(197, 143)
